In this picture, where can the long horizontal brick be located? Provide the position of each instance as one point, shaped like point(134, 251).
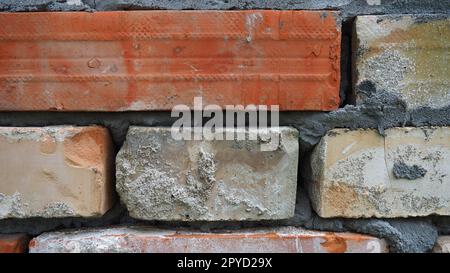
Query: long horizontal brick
point(442, 245)
point(153, 60)
point(159, 178)
point(13, 243)
point(404, 56)
point(152, 240)
point(363, 174)
point(56, 171)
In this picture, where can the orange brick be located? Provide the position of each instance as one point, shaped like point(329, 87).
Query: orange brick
point(151, 240)
point(13, 243)
point(153, 60)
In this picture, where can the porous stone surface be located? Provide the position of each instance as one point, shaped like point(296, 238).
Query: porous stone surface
point(152, 240)
point(360, 173)
point(405, 56)
point(45, 5)
point(347, 7)
point(159, 178)
point(56, 171)
point(442, 245)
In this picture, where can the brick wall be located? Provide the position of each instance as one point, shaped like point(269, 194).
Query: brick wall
point(89, 164)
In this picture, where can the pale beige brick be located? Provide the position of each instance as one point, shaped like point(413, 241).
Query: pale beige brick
point(363, 174)
point(160, 178)
point(404, 56)
point(56, 171)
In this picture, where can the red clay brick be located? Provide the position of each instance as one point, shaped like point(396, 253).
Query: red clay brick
point(153, 60)
point(151, 240)
point(13, 243)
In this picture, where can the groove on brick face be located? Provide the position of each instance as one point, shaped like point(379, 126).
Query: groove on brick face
point(152, 240)
point(153, 60)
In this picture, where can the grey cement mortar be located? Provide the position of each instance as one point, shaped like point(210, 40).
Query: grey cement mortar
point(403, 235)
point(35, 226)
point(381, 111)
point(442, 224)
point(44, 5)
point(348, 8)
point(402, 170)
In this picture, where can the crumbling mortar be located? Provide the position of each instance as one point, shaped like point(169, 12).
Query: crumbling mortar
point(348, 8)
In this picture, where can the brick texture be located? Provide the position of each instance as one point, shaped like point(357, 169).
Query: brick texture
point(159, 178)
point(363, 174)
point(150, 240)
point(153, 60)
point(403, 56)
point(13, 243)
point(55, 171)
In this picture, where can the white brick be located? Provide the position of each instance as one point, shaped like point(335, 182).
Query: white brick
point(159, 178)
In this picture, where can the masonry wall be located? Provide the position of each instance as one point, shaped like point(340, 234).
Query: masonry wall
point(363, 159)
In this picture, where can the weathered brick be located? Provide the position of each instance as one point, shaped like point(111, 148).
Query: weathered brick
point(153, 60)
point(152, 240)
point(363, 174)
point(404, 56)
point(55, 171)
point(13, 243)
point(159, 178)
point(442, 245)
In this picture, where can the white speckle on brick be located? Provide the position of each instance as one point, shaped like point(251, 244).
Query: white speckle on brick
point(153, 240)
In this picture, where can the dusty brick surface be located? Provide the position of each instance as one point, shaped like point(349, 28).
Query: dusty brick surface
point(13, 243)
point(159, 178)
point(153, 60)
point(55, 171)
point(442, 245)
point(363, 174)
point(151, 240)
point(402, 56)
